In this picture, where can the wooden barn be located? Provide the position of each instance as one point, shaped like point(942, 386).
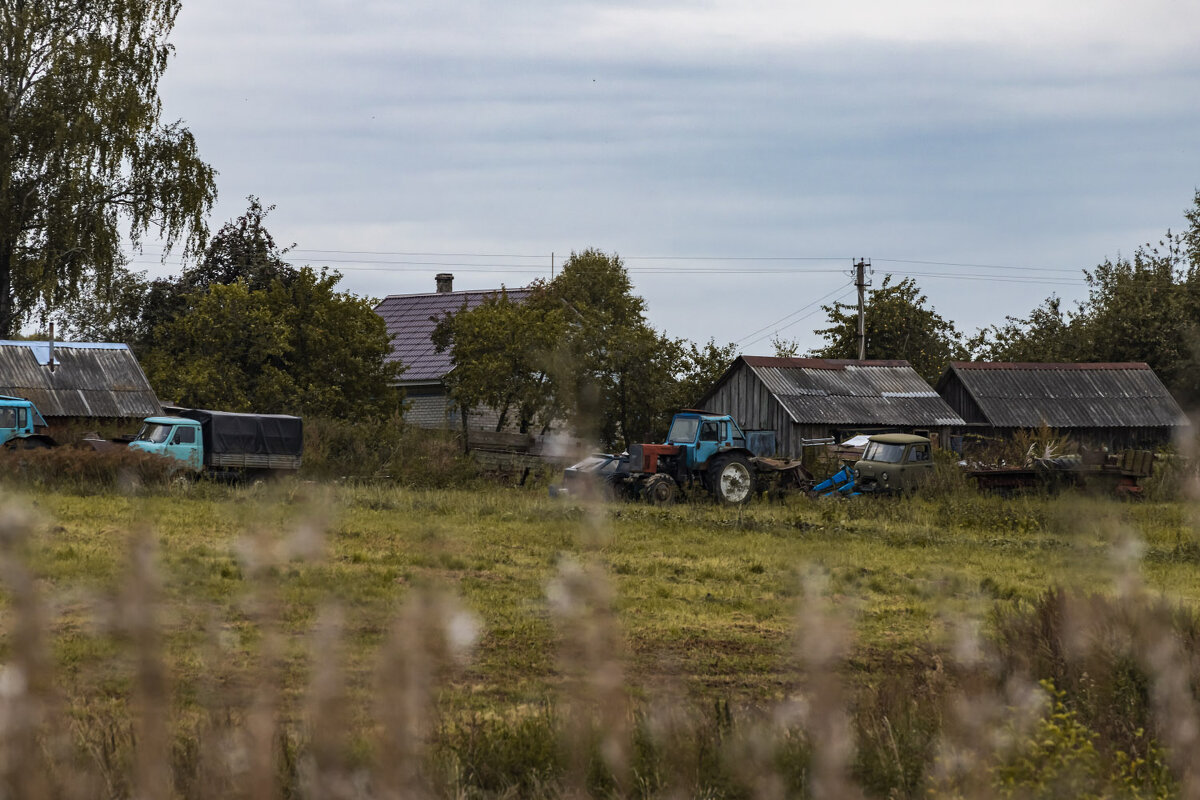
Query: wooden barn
point(78, 386)
point(814, 398)
point(1113, 405)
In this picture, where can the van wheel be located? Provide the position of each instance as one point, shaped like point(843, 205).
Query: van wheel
point(731, 479)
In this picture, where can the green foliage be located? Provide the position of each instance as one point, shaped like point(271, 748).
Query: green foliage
point(298, 348)
point(501, 354)
point(1060, 758)
point(245, 331)
point(384, 449)
point(578, 350)
point(83, 149)
point(1143, 308)
point(898, 325)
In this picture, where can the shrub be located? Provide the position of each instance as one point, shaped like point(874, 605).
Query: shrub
point(384, 449)
point(85, 470)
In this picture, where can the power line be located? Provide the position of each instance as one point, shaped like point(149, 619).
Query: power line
point(973, 266)
point(798, 320)
point(774, 326)
point(544, 257)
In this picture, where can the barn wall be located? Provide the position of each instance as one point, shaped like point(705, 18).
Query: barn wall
point(1114, 439)
point(959, 399)
point(746, 398)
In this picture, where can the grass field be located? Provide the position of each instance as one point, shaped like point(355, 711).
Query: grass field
point(516, 630)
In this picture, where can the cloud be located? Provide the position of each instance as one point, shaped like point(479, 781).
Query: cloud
point(1018, 133)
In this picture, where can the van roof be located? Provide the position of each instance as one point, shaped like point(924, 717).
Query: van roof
point(899, 438)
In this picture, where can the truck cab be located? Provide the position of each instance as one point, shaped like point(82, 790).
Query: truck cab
point(177, 438)
point(894, 462)
point(19, 423)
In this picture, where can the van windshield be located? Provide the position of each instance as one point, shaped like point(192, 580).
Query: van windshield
point(8, 418)
point(884, 453)
point(683, 430)
point(154, 433)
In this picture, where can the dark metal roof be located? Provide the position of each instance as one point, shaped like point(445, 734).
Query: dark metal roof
point(89, 379)
point(1077, 395)
point(411, 318)
point(836, 391)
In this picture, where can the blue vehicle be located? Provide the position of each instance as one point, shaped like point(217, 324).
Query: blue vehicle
point(708, 451)
point(20, 422)
point(220, 441)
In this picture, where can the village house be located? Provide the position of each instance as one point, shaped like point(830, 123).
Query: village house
point(78, 386)
point(815, 398)
point(1104, 405)
point(410, 320)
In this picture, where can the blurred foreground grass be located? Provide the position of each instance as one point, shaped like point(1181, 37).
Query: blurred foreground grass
point(293, 595)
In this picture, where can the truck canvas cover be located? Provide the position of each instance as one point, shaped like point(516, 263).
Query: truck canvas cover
point(226, 433)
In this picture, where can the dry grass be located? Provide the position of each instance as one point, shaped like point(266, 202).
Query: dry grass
point(297, 641)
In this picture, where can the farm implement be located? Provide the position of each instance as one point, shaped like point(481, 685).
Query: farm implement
point(711, 453)
point(703, 452)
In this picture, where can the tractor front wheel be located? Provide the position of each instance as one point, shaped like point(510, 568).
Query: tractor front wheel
point(660, 490)
point(731, 479)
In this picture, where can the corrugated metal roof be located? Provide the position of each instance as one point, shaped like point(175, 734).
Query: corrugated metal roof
point(1078, 395)
point(828, 391)
point(90, 379)
point(411, 318)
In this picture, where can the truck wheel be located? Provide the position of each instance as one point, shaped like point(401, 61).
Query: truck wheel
point(660, 490)
point(731, 479)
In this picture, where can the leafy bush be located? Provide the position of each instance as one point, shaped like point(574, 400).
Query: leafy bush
point(384, 449)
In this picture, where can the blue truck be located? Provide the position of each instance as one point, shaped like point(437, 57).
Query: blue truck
point(220, 441)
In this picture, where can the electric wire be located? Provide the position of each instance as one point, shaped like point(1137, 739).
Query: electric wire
point(774, 326)
point(796, 321)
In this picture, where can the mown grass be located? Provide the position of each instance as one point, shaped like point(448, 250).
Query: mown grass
point(708, 608)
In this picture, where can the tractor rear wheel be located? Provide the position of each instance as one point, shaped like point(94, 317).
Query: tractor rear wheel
point(731, 479)
point(660, 490)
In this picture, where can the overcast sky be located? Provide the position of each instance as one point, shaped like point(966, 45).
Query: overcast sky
point(1014, 145)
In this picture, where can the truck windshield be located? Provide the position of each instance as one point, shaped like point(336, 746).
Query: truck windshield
point(153, 432)
point(683, 430)
point(885, 453)
point(8, 418)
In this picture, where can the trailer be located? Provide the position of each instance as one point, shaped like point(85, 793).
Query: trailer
point(1119, 474)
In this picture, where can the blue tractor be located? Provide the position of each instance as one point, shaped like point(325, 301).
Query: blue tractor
point(702, 451)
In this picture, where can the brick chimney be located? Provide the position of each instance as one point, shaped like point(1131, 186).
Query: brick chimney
point(445, 282)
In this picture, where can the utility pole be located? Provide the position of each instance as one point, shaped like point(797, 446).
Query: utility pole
point(551, 265)
point(861, 282)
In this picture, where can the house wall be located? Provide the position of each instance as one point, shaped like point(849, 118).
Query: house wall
point(431, 407)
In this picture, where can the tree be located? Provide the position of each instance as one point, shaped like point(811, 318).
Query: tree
point(501, 352)
point(299, 348)
point(700, 367)
point(578, 349)
point(243, 330)
point(1143, 308)
point(1047, 334)
point(84, 152)
point(898, 325)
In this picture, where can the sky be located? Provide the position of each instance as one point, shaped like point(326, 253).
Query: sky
point(738, 156)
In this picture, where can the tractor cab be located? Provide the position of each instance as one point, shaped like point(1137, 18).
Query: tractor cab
point(701, 436)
